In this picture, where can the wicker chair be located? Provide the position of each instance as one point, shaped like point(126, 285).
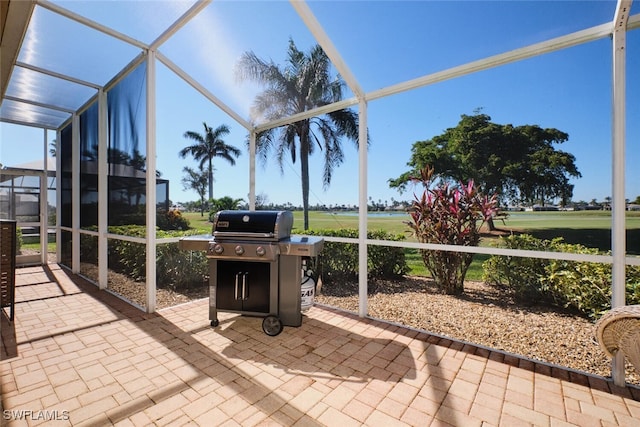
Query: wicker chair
point(619, 329)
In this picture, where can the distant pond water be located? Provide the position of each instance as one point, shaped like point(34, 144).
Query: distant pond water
point(370, 214)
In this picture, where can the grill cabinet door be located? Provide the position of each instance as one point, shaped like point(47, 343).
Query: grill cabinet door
point(243, 286)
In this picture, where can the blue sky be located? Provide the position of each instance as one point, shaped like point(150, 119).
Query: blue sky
point(383, 43)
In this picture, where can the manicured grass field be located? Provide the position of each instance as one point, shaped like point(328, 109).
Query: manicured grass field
point(589, 228)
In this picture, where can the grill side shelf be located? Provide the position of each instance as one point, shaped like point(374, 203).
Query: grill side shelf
point(199, 242)
point(309, 246)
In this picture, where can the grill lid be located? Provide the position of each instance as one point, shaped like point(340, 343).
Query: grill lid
point(271, 225)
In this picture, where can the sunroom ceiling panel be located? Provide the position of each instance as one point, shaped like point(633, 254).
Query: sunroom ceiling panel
point(141, 20)
point(385, 43)
point(42, 88)
point(28, 114)
point(76, 50)
point(209, 47)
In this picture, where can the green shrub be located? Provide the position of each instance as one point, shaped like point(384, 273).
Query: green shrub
point(222, 204)
point(125, 257)
point(522, 276)
point(175, 268)
point(586, 286)
point(178, 269)
point(18, 239)
point(172, 220)
point(339, 261)
point(583, 286)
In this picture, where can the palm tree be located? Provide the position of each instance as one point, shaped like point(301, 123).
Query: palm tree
point(303, 84)
point(197, 181)
point(207, 147)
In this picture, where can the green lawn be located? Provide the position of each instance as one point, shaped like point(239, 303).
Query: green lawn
point(589, 228)
point(200, 223)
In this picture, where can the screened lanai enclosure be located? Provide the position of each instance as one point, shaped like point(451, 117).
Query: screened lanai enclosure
point(108, 88)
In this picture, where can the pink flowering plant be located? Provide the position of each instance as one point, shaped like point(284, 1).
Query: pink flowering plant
point(449, 215)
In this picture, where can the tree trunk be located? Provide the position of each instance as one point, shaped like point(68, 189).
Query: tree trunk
point(304, 173)
point(210, 178)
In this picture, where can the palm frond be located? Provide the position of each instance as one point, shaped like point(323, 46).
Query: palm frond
point(305, 82)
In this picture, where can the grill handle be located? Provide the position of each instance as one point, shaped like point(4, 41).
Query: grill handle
point(236, 287)
point(245, 294)
point(242, 235)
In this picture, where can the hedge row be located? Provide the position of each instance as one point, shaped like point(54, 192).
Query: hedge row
point(583, 286)
point(339, 261)
point(177, 269)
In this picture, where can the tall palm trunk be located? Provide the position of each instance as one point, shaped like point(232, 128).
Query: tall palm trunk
point(304, 172)
point(210, 178)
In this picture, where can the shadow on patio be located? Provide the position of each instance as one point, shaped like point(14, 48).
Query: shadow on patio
point(79, 356)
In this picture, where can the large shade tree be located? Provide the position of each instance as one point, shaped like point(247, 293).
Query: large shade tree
point(518, 163)
point(209, 145)
point(303, 84)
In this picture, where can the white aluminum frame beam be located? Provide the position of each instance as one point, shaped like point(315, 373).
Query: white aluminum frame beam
point(555, 44)
point(252, 170)
point(44, 205)
point(57, 75)
point(29, 124)
point(340, 105)
point(327, 45)
point(125, 71)
point(179, 23)
point(103, 191)
point(203, 91)
point(151, 182)
point(91, 24)
point(618, 205)
point(39, 104)
point(363, 273)
point(573, 39)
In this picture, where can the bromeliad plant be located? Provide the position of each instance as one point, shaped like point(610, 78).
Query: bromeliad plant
point(448, 215)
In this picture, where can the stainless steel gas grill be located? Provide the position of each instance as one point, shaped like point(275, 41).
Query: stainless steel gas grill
point(255, 266)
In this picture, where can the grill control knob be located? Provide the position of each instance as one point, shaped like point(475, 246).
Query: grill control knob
point(218, 249)
point(239, 250)
point(260, 251)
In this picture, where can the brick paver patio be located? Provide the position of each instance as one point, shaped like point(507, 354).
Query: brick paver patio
point(78, 356)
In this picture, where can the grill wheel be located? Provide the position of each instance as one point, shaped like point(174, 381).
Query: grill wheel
point(272, 325)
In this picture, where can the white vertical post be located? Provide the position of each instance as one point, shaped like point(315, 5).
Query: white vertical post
point(44, 205)
point(103, 191)
point(151, 181)
point(75, 193)
point(618, 205)
point(252, 170)
point(362, 211)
